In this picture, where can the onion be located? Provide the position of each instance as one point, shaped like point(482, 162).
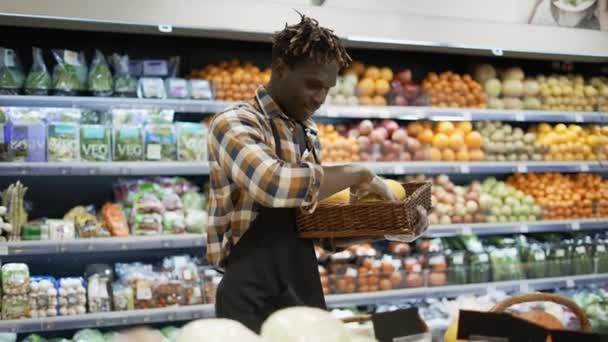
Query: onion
point(378, 136)
point(493, 87)
point(366, 127)
point(390, 126)
point(400, 136)
point(413, 145)
point(471, 207)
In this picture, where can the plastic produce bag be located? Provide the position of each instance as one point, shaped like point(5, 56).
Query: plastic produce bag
point(11, 74)
point(114, 219)
point(99, 287)
point(72, 296)
point(171, 201)
point(15, 306)
point(100, 82)
point(174, 222)
point(15, 278)
point(125, 85)
point(61, 229)
point(196, 221)
point(70, 72)
point(26, 134)
point(191, 141)
point(194, 200)
point(177, 88)
point(122, 297)
point(63, 135)
point(38, 81)
point(43, 297)
point(95, 143)
point(200, 90)
point(147, 224)
point(85, 222)
point(8, 337)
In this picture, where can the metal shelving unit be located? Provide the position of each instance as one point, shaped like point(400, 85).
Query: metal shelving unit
point(109, 319)
point(517, 227)
point(327, 111)
point(393, 296)
point(110, 244)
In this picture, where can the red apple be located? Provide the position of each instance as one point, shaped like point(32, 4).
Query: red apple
point(411, 90)
point(404, 76)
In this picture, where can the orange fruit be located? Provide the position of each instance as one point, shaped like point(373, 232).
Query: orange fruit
point(425, 137)
point(473, 140)
point(379, 100)
point(434, 154)
point(441, 140)
point(365, 100)
point(464, 126)
point(382, 86)
point(476, 155)
point(372, 72)
point(366, 87)
point(456, 141)
point(414, 128)
point(448, 155)
point(445, 127)
point(462, 154)
point(386, 74)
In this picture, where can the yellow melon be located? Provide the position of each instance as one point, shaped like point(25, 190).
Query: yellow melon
point(342, 197)
point(395, 187)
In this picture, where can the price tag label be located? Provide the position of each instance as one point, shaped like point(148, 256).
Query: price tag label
point(576, 226)
point(578, 117)
point(570, 283)
point(3, 250)
point(524, 287)
point(524, 228)
point(467, 230)
point(522, 168)
point(465, 169)
point(584, 167)
point(520, 116)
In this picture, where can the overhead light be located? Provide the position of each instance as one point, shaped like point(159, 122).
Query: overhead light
point(165, 28)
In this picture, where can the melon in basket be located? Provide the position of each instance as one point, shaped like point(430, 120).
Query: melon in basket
point(343, 197)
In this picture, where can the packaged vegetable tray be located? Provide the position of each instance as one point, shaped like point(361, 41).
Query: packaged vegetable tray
point(95, 143)
point(43, 297)
point(16, 306)
point(191, 141)
point(15, 278)
point(331, 220)
point(72, 296)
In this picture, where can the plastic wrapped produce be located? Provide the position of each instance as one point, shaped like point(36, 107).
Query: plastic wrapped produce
point(196, 221)
point(38, 81)
point(168, 292)
point(122, 297)
point(86, 223)
point(100, 80)
point(15, 306)
point(151, 88)
point(160, 142)
point(26, 134)
point(88, 335)
point(63, 135)
point(191, 141)
point(43, 297)
point(72, 296)
point(146, 224)
point(34, 338)
point(61, 229)
point(174, 222)
point(70, 72)
point(99, 287)
point(170, 332)
point(114, 219)
point(95, 143)
point(11, 74)
point(125, 85)
point(15, 278)
point(177, 88)
point(128, 134)
point(200, 90)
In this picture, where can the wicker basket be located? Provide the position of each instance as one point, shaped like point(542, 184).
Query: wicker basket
point(367, 219)
point(545, 297)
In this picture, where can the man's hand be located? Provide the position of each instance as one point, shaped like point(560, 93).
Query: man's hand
point(421, 226)
point(376, 187)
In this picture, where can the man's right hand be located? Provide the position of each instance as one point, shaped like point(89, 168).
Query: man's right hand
point(375, 186)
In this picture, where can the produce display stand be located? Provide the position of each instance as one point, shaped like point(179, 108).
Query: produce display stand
point(68, 257)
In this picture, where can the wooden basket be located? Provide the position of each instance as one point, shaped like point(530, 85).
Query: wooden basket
point(367, 219)
point(545, 297)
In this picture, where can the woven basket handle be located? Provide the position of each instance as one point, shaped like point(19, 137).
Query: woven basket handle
point(357, 319)
point(545, 297)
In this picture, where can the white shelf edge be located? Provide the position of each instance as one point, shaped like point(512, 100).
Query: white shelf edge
point(109, 319)
point(392, 296)
point(326, 111)
point(109, 244)
point(143, 168)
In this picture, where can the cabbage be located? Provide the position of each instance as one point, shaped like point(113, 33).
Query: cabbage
point(88, 335)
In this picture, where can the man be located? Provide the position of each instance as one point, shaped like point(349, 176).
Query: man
point(264, 159)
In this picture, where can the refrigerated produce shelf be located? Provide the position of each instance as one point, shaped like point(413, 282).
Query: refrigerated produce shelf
point(109, 319)
point(442, 230)
point(146, 168)
point(184, 313)
point(392, 296)
point(139, 168)
point(110, 244)
point(327, 111)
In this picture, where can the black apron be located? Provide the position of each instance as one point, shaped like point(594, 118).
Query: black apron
point(270, 268)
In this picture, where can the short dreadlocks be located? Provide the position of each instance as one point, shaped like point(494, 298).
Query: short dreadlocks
point(308, 40)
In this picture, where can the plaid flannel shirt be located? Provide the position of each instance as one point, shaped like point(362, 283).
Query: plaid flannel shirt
point(244, 169)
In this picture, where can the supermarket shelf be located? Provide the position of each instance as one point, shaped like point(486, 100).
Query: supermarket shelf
point(108, 319)
point(104, 103)
point(392, 296)
point(202, 168)
point(327, 111)
point(111, 244)
point(517, 227)
point(104, 168)
point(456, 114)
point(401, 168)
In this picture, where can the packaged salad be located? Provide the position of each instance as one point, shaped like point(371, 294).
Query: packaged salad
point(125, 85)
point(191, 141)
point(100, 81)
point(160, 137)
point(26, 133)
point(38, 81)
point(176, 88)
point(70, 72)
point(128, 134)
point(11, 74)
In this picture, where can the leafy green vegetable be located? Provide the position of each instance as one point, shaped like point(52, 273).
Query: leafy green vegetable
point(191, 141)
point(88, 335)
point(100, 78)
point(70, 72)
point(128, 143)
point(34, 338)
point(11, 74)
point(160, 142)
point(38, 81)
point(95, 143)
point(124, 83)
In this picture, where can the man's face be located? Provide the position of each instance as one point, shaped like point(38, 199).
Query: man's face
point(304, 86)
